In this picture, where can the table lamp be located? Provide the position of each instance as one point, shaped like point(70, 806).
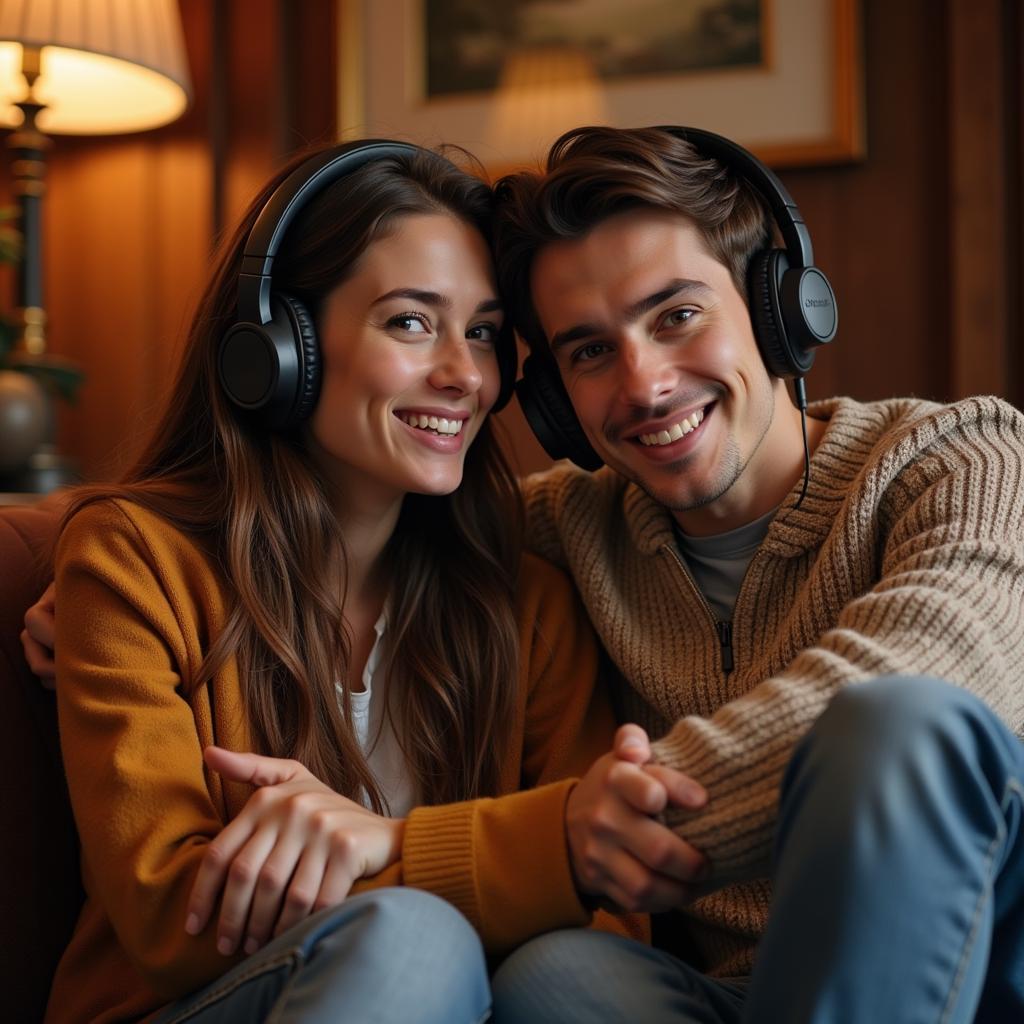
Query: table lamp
point(74, 67)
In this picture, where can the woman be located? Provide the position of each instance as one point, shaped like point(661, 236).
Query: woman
point(346, 596)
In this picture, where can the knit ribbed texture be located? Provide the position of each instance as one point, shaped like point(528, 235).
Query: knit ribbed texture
point(523, 887)
point(906, 556)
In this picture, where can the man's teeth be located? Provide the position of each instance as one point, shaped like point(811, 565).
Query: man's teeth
point(676, 431)
point(438, 424)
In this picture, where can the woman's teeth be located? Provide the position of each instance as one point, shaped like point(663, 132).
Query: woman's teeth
point(438, 424)
point(676, 431)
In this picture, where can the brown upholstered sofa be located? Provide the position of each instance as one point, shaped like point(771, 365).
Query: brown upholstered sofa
point(41, 890)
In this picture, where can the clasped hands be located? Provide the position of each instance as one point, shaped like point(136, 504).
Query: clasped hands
point(295, 848)
point(298, 846)
point(622, 857)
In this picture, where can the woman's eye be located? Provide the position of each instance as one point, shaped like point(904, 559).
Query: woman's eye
point(483, 332)
point(411, 323)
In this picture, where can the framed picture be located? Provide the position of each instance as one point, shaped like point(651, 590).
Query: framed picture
point(503, 80)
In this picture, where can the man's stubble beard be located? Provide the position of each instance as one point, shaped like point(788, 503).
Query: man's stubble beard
point(732, 466)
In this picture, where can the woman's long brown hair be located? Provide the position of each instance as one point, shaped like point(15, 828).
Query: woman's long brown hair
point(255, 503)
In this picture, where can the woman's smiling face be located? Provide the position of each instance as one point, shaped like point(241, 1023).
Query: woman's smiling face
point(410, 368)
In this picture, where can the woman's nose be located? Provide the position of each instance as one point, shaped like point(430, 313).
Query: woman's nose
point(456, 367)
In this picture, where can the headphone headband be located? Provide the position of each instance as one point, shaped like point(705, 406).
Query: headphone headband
point(267, 234)
point(784, 209)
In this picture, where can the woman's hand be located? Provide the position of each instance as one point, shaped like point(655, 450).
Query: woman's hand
point(37, 638)
point(295, 848)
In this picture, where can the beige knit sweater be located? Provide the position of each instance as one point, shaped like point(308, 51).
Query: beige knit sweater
point(907, 556)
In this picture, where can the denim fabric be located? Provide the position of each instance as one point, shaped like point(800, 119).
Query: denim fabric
point(899, 887)
point(585, 977)
point(384, 956)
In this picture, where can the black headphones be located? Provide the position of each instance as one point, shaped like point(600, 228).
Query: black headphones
point(792, 307)
point(269, 359)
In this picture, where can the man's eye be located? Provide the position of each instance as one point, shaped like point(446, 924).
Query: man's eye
point(678, 316)
point(587, 352)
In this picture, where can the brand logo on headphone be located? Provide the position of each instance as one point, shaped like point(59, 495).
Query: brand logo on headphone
point(816, 303)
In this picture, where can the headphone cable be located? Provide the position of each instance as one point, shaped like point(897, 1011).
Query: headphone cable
point(801, 400)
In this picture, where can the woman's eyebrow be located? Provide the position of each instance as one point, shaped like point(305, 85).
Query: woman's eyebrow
point(429, 298)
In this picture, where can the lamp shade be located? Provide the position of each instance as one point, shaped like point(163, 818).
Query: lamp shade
point(106, 66)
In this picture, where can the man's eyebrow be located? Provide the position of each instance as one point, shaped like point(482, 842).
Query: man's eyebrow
point(676, 287)
point(435, 299)
point(673, 289)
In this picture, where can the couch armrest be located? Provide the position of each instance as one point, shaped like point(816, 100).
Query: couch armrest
point(40, 887)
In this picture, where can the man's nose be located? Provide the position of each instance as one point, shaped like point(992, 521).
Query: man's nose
point(646, 373)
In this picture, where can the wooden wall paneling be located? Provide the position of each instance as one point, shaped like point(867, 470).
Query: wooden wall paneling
point(877, 226)
point(117, 276)
point(276, 94)
point(254, 132)
point(313, 73)
point(978, 302)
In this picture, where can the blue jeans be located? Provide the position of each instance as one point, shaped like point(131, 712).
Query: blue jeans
point(898, 889)
point(387, 955)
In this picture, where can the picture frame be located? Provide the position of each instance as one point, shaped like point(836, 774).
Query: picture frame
point(802, 106)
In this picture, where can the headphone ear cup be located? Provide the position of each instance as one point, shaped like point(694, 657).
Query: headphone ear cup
point(306, 387)
point(766, 269)
point(786, 335)
point(273, 369)
point(508, 363)
point(546, 406)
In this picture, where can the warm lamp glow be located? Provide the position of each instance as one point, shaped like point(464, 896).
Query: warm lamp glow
point(543, 92)
point(106, 66)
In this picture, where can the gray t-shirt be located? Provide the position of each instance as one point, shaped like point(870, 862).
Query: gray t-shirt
point(719, 562)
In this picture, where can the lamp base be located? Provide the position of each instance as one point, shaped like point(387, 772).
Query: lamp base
point(46, 470)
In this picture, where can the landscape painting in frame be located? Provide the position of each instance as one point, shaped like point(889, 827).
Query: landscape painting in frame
point(781, 77)
point(468, 41)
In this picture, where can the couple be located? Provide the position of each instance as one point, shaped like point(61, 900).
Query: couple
point(318, 558)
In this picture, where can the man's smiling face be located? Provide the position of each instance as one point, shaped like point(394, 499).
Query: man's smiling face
point(656, 349)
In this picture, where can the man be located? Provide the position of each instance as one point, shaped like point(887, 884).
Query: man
point(736, 607)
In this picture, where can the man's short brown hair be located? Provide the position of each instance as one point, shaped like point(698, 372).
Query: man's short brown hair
point(594, 173)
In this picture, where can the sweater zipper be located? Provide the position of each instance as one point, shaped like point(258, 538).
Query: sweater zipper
point(722, 628)
point(725, 639)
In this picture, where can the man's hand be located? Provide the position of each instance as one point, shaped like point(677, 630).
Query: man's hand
point(37, 638)
point(295, 848)
point(618, 851)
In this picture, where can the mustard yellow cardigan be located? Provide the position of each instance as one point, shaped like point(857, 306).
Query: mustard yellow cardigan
point(139, 603)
